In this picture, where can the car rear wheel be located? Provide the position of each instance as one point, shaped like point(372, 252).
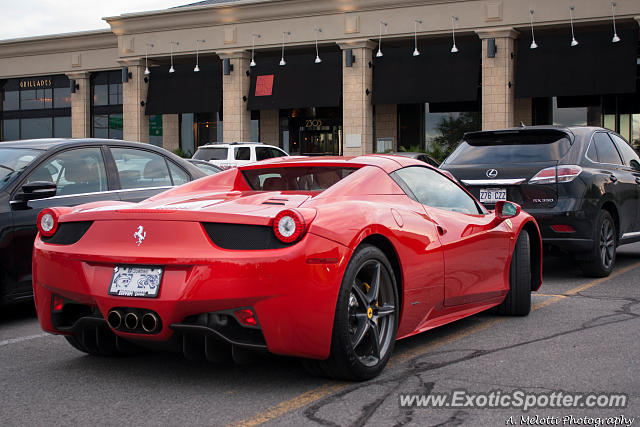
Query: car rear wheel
point(602, 258)
point(518, 299)
point(366, 319)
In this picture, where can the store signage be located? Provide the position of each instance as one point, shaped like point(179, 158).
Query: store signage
point(264, 85)
point(35, 83)
point(313, 123)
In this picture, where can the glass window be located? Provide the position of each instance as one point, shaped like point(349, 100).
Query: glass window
point(36, 128)
point(188, 134)
point(115, 126)
point(115, 93)
point(101, 95)
point(314, 178)
point(33, 99)
point(62, 127)
point(607, 152)
point(444, 130)
point(433, 189)
point(211, 153)
point(263, 153)
point(13, 160)
point(61, 97)
point(629, 156)
point(592, 153)
point(11, 100)
point(10, 130)
point(276, 153)
point(178, 175)
point(243, 153)
point(75, 171)
point(140, 168)
point(108, 126)
point(155, 130)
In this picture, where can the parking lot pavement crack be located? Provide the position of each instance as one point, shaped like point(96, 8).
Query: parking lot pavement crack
point(458, 418)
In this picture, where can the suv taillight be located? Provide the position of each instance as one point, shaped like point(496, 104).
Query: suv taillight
point(556, 174)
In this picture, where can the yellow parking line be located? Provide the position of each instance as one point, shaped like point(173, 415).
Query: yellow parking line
point(329, 388)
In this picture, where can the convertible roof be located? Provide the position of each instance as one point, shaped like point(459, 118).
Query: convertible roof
point(386, 162)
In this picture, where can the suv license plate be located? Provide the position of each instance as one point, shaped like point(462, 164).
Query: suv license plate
point(135, 281)
point(492, 195)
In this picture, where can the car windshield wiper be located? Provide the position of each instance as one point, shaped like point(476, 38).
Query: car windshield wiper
point(7, 167)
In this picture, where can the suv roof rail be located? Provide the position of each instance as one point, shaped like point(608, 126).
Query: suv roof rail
point(238, 143)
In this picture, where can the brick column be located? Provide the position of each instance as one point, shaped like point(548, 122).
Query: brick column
point(498, 79)
point(236, 119)
point(357, 111)
point(81, 106)
point(170, 132)
point(270, 127)
point(135, 123)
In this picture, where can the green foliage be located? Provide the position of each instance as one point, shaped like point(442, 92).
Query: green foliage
point(179, 152)
point(452, 129)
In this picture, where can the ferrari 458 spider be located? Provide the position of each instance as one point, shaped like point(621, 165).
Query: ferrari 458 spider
point(327, 259)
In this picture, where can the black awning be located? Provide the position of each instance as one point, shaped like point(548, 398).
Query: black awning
point(185, 91)
point(436, 75)
point(298, 84)
point(596, 66)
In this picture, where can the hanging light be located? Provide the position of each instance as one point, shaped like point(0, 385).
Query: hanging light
point(282, 61)
point(253, 49)
point(171, 69)
point(146, 58)
point(454, 48)
point(615, 38)
point(534, 45)
point(416, 52)
point(318, 60)
point(574, 42)
point(197, 68)
point(379, 54)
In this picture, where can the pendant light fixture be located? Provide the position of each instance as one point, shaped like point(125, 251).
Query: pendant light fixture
point(197, 68)
point(615, 38)
point(318, 60)
point(253, 49)
point(146, 58)
point(454, 48)
point(171, 69)
point(574, 42)
point(379, 54)
point(416, 52)
point(282, 61)
point(533, 45)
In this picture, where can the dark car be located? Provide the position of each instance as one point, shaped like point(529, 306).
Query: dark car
point(35, 174)
point(582, 184)
point(419, 156)
point(205, 166)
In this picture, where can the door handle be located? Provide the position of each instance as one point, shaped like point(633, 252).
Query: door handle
point(441, 230)
point(613, 178)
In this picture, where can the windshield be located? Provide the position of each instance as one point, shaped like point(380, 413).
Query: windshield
point(218, 153)
point(13, 160)
point(314, 178)
point(513, 148)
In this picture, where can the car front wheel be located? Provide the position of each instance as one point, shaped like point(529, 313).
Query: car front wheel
point(366, 319)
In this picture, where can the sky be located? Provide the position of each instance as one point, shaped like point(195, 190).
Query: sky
point(28, 18)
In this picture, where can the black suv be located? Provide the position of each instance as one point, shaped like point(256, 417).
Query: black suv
point(582, 184)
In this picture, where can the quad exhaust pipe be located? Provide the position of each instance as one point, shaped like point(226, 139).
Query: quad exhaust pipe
point(129, 320)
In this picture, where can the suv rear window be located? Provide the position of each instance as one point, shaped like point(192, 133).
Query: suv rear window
point(315, 178)
point(510, 148)
point(211, 153)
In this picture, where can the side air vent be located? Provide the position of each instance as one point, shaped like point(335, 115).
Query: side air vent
point(68, 233)
point(242, 236)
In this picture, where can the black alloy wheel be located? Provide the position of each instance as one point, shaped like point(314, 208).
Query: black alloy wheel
point(366, 319)
point(602, 257)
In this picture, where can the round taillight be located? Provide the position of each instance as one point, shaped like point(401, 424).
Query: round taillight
point(288, 226)
point(47, 222)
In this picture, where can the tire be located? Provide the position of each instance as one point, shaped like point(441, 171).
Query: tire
point(518, 299)
point(367, 309)
point(602, 257)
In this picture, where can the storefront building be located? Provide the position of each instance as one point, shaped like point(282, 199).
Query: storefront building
point(321, 77)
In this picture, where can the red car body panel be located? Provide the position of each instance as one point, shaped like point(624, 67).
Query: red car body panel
point(449, 265)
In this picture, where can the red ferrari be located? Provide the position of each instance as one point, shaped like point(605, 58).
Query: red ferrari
point(327, 259)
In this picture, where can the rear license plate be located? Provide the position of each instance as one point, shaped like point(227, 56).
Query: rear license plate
point(135, 281)
point(492, 195)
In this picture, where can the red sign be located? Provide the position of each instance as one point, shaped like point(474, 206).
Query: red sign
point(264, 85)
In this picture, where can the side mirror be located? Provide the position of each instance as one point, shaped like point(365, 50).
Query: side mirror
point(506, 210)
point(36, 190)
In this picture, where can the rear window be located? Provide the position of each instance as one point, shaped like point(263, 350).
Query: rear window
point(315, 178)
point(510, 148)
point(213, 153)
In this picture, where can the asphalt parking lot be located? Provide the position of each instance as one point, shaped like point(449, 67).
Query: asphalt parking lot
point(583, 336)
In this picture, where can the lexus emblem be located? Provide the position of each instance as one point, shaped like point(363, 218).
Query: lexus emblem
point(492, 173)
point(140, 235)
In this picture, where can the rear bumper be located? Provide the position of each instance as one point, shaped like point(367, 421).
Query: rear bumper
point(581, 220)
point(292, 294)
